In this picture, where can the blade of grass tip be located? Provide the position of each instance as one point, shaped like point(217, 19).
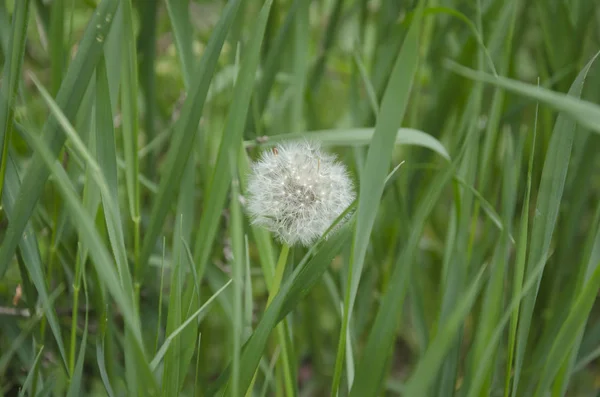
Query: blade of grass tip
point(26, 387)
point(30, 255)
point(130, 130)
point(232, 139)
point(521, 256)
point(547, 205)
point(68, 98)
point(237, 245)
point(185, 130)
point(427, 368)
point(13, 63)
point(190, 262)
point(393, 106)
point(165, 346)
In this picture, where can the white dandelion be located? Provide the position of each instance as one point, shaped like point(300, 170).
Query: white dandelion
point(297, 191)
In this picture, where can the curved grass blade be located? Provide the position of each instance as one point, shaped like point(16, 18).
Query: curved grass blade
point(585, 113)
point(69, 99)
point(359, 137)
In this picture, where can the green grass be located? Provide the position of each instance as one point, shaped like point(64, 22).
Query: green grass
point(467, 266)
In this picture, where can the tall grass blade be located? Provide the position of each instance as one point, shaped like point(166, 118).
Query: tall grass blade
point(392, 110)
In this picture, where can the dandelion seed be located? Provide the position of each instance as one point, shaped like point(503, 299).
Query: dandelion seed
point(297, 191)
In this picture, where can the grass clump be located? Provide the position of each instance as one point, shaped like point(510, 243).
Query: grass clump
point(459, 258)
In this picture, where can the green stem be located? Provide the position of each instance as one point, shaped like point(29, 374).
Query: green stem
point(281, 262)
point(281, 328)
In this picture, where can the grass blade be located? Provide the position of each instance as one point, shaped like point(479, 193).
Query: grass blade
point(130, 128)
point(548, 201)
point(359, 137)
point(68, 98)
point(372, 178)
point(185, 130)
point(428, 366)
point(236, 119)
point(26, 388)
point(165, 346)
point(11, 76)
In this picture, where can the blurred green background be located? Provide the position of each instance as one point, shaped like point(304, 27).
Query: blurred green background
point(129, 268)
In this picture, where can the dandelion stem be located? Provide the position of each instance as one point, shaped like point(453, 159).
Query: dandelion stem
point(281, 262)
point(282, 327)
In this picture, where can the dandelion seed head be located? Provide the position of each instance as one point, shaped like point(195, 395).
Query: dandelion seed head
point(297, 191)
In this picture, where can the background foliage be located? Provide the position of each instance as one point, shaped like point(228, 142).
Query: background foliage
point(469, 266)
